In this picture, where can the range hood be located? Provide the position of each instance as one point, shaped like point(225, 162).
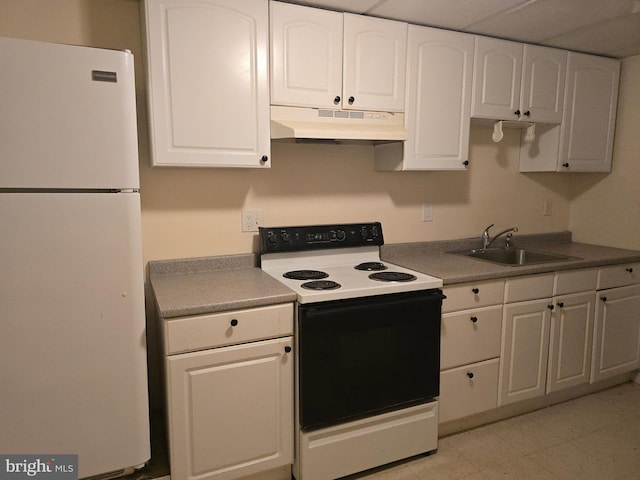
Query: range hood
point(315, 123)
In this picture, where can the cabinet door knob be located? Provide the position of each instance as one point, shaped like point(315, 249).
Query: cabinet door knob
point(264, 159)
point(466, 163)
point(561, 304)
point(474, 319)
point(351, 100)
point(234, 322)
point(565, 165)
point(470, 374)
point(630, 270)
point(604, 299)
point(287, 349)
point(336, 100)
point(527, 113)
point(517, 113)
point(550, 307)
point(475, 290)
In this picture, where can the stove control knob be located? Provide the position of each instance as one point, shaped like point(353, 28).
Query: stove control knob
point(341, 235)
point(272, 237)
point(285, 237)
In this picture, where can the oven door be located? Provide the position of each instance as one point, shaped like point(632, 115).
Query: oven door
point(365, 356)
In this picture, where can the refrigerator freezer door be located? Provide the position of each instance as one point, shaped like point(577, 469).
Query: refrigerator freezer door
point(72, 329)
point(67, 117)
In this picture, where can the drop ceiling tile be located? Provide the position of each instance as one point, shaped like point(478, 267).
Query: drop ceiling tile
point(452, 14)
point(618, 35)
point(538, 20)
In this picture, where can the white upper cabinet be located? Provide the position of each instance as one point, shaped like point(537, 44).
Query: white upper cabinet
point(437, 114)
point(374, 63)
point(208, 82)
point(497, 76)
point(326, 59)
point(518, 82)
point(543, 83)
point(588, 124)
point(306, 56)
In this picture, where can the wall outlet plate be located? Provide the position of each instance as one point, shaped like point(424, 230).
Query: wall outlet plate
point(547, 208)
point(427, 212)
point(252, 219)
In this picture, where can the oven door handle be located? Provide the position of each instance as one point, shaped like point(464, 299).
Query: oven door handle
point(323, 309)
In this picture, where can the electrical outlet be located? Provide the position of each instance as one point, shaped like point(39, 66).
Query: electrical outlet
point(251, 220)
point(427, 212)
point(547, 208)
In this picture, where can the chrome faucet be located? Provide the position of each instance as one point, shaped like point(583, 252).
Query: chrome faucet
point(487, 240)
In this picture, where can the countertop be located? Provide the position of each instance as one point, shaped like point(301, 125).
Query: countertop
point(432, 257)
point(214, 284)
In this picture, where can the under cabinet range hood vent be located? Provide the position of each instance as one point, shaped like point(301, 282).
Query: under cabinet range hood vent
point(324, 124)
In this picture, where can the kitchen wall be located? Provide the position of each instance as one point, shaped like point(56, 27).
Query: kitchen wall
point(197, 212)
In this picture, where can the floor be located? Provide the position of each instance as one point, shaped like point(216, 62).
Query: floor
point(596, 437)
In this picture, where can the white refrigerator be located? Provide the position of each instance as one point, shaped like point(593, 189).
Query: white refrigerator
point(73, 372)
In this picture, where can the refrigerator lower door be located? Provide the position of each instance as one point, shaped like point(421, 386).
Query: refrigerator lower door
point(72, 329)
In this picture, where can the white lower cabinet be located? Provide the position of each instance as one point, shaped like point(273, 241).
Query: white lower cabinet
point(547, 342)
point(504, 341)
point(571, 341)
point(230, 409)
point(525, 350)
point(470, 349)
point(617, 326)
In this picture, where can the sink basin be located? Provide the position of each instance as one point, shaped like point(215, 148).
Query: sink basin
point(514, 256)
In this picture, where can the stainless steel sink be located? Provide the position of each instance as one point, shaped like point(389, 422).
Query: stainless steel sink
point(514, 256)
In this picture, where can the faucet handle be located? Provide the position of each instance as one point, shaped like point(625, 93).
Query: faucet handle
point(486, 230)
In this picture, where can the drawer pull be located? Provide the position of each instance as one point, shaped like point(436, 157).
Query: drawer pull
point(234, 322)
point(550, 307)
point(470, 374)
point(630, 270)
point(475, 290)
point(604, 299)
point(560, 304)
point(287, 349)
point(474, 319)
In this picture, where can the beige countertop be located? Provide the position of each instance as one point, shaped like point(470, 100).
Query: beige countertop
point(213, 284)
point(431, 258)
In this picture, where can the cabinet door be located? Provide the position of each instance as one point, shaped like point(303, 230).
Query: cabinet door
point(208, 82)
point(437, 115)
point(588, 123)
point(571, 340)
point(497, 74)
point(525, 349)
point(543, 78)
point(616, 345)
point(306, 56)
point(374, 64)
point(231, 410)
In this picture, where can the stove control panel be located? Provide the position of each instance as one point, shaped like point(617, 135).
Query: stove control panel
point(318, 237)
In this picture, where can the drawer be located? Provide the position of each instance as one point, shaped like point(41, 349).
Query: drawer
point(470, 336)
point(227, 328)
point(472, 295)
point(574, 281)
point(468, 390)
point(619, 275)
point(529, 287)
